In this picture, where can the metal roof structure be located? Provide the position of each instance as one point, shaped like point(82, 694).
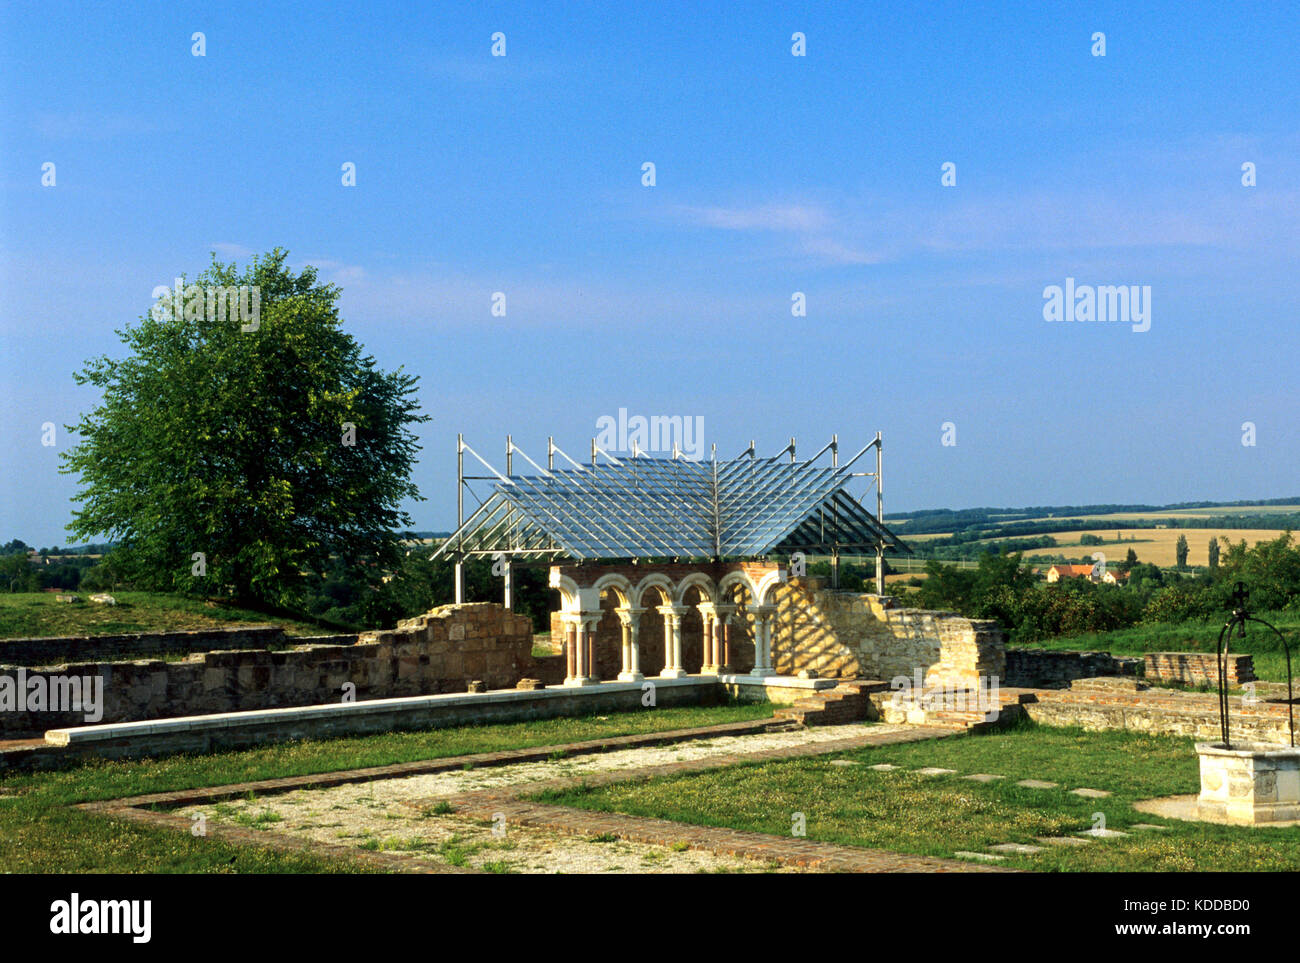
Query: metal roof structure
point(646, 507)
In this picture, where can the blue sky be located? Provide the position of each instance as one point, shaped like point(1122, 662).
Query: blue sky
point(774, 174)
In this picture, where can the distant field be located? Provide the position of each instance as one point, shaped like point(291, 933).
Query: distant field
point(1193, 513)
point(24, 614)
point(900, 526)
point(1155, 545)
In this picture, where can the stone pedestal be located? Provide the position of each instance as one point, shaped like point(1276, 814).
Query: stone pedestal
point(1249, 783)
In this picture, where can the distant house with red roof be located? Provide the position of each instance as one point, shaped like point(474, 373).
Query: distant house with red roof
point(1058, 572)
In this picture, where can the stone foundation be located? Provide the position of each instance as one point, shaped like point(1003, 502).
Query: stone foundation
point(442, 651)
point(139, 645)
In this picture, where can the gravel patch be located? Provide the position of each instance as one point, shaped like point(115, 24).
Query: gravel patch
point(372, 815)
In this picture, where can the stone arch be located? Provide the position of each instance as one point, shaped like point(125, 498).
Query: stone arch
point(696, 580)
point(737, 589)
point(618, 585)
point(655, 580)
point(765, 586)
point(569, 598)
point(734, 579)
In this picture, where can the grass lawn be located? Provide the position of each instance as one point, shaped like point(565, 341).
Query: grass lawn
point(42, 835)
point(1270, 664)
point(939, 815)
point(25, 614)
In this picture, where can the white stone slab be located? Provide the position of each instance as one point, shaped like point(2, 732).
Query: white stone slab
point(982, 857)
point(1102, 833)
point(1036, 784)
point(983, 777)
point(935, 771)
point(1021, 848)
point(1090, 793)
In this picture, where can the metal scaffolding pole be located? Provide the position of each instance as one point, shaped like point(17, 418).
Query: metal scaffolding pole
point(835, 542)
point(880, 518)
point(460, 518)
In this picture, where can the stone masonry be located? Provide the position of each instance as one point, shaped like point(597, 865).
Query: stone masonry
point(442, 651)
point(1198, 668)
point(847, 634)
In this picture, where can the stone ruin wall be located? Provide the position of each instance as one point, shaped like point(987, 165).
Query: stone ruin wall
point(441, 651)
point(839, 633)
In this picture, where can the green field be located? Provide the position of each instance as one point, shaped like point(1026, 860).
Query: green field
point(28, 614)
point(43, 834)
point(907, 812)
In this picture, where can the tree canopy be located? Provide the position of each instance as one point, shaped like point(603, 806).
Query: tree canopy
point(228, 456)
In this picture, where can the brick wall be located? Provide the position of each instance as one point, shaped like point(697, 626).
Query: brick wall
point(1198, 668)
point(1056, 669)
point(441, 651)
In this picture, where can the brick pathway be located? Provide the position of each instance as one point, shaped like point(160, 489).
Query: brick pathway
point(483, 804)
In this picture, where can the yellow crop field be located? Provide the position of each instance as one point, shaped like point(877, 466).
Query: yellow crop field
point(1155, 545)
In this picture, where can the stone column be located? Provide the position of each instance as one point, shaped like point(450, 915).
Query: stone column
point(763, 616)
point(722, 637)
point(673, 640)
point(631, 621)
point(589, 623)
point(708, 624)
point(579, 634)
point(570, 652)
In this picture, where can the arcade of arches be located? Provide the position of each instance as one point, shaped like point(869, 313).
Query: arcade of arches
point(630, 622)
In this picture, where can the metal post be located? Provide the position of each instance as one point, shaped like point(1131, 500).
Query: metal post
point(460, 518)
point(835, 545)
point(880, 518)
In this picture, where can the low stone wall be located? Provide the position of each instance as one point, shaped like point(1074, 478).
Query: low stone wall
point(219, 733)
point(847, 634)
point(1198, 668)
point(1056, 668)
point(136, 645)
point(1162, 712)
point(442, 651)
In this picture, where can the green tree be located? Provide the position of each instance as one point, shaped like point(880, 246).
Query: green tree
point(1180, 551)
point(1130, 559)
point(1214, 553)
point(219, 437)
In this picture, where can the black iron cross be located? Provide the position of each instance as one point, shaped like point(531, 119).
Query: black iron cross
point(1239, 595)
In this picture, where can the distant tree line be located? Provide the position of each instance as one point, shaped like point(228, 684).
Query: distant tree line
point(1002, 587)
point(928, 521)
